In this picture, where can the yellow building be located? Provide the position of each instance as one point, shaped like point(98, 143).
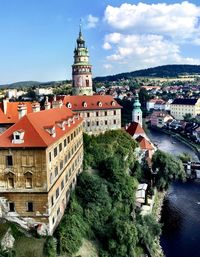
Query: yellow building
point(40, 158)
point(180, 107)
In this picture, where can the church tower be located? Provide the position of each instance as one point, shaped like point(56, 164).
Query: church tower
point(81, 69)
point(137, 112)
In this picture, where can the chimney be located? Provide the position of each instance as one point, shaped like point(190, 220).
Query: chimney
point(47, 104)
point(35, 107)
point(57, 103)
point(22, 110)
point(5, 102)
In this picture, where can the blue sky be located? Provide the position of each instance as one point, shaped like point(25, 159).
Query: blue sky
point(38, 36)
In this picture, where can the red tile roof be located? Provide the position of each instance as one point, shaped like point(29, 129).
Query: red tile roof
point(11, 115)
point(135, 128)
point(35, 128)
point(92, 102)
point(144, 143)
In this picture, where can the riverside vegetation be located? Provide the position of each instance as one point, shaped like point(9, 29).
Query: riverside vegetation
point(102, 208)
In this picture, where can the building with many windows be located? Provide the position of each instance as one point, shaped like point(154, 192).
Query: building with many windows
point(99, 113)
point(40, 158)
point(180, 107)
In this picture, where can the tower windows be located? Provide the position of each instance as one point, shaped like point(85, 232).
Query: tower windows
point(87, 82)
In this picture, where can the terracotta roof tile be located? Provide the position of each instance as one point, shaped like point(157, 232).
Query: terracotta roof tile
point(92, 102)
point(34, 125)
point(11, 115)
point(144, 143)
point(135, 128)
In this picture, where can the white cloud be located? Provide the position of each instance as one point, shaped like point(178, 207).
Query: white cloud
point(107, 66)
point(135, 51)
point(179, 21)
point(107, 46)
point(92, 21)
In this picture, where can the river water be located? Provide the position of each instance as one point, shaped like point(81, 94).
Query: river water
point(181, 209)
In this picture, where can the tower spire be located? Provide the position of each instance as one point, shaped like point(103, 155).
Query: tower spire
point(80, 28)
point(137, 112)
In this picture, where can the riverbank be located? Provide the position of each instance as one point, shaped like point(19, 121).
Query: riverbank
point(156, 212)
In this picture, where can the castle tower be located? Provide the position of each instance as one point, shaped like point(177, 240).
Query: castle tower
point(81, 69)
point(137, 112)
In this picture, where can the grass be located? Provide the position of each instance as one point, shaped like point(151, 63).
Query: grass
point(25, 245)
point(88, 249)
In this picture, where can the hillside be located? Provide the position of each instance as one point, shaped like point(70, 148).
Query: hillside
point(164, 71)
point(24, 84)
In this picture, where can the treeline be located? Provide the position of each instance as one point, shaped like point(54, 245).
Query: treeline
point(164, 71)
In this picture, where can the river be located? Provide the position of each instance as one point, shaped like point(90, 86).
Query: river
point(181, 209)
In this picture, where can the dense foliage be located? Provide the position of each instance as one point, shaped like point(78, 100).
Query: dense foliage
point(167, 168)
point(103, 205)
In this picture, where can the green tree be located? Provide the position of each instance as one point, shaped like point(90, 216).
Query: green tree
point(167, 169)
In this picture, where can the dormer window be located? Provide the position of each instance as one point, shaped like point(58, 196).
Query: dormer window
point(99, 104)
point(84, 104)
point(61, 124)
point(69, 105)
point(18, 137)
point(51, 130)
point(113, 103)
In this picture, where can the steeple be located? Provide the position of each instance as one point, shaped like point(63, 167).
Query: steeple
point(137, 112)
point(81, 69)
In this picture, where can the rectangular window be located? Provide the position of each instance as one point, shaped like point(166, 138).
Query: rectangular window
point(68, 139)
point(71, 136)
point(60, 147)
point(88, 114)
point(52, 201)
point(56, 171)
point(58, 211)
point(11, 207)
point(65, 159)
point(65, 143)
point(106, 113)
point(29, 207)
point(114, 112)
point(66, 178)
point(88, 123)
point(53, 220)
point(106, 122)
point(74, 134)
point(114, 121)
point(51, 178)
point(62, 184)
point(55, 151)
point(97, 114)
point(57, 193)
point(61, 165)
point(11, 182)
point(28, 182)
point(9, 160)
point(49, 156)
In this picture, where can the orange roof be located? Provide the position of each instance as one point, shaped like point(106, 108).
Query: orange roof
point(11, 115)
point(92, 102)
point(35, 126)
point(144, 143)
point(135, 128)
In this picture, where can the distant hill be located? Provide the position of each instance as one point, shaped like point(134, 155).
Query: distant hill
point(23, 84)
point(164, 71)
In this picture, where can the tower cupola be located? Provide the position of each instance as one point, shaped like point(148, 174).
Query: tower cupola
point(81, 69)
point(137, 112)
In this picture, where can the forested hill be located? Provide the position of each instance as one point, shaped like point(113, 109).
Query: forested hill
point(170, 71)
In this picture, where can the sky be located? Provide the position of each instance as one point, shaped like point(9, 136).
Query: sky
point(37, 37)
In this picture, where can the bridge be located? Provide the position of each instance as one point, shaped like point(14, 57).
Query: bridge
point(192, 169)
